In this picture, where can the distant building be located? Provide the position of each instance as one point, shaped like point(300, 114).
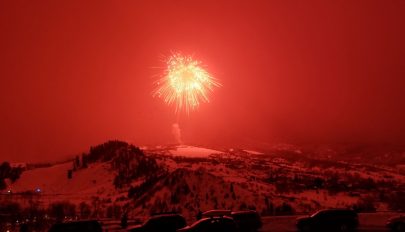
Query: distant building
point(280, 161)
point(19, 165)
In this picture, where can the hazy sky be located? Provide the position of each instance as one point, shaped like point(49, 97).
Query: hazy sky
point(77, 73)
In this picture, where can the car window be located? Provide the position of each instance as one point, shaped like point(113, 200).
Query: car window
point(151, 223)
point(204, 225)
point(164, 223)
point(245, 216)
point(322, 215)
point(228, 224)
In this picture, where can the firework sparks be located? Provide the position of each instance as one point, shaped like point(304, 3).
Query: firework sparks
point(185, 83)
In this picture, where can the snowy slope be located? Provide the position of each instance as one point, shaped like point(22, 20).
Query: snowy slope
point(189, 191)
point(53, 182)
point(254, 152)
point(191, 151)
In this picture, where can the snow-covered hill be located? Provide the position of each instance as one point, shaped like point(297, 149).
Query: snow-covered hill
point(189, 179)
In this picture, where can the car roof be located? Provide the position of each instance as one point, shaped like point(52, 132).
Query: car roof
point(244, 212)
point(340, 210)
point(165, 213)
point(335, 211)
point(217, 211)
point(212, 218)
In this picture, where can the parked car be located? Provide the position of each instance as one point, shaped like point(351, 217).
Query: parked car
point(161, 223)
point(77, 226)
point(396, 223)
point(329, 220)
point(216, 213)
point(212, 224)
point(247, 220)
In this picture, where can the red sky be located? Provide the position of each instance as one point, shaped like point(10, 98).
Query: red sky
point(76, 73)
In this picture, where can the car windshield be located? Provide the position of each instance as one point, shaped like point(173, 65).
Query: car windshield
point(318, 213)
point(244, 216)
point(149, 221)
point(197, 222)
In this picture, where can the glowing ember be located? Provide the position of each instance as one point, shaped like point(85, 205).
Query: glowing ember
point(185, 83)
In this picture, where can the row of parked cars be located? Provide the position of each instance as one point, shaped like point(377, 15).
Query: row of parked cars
point(341, 220)
point(211, 221)
point(240, 221)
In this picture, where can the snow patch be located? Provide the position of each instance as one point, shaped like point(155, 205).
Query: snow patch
point(254, 152)
point(190, 151)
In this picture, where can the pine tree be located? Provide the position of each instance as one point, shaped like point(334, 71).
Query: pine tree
point(77, 161)
point(84, 160)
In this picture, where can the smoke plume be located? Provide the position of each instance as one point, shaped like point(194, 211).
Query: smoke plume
point(177, 133)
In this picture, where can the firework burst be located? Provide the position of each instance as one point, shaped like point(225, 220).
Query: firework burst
point(185, 83)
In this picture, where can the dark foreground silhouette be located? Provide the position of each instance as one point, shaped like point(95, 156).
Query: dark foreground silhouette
point(397, 223)
point(164, 222)
point(78, 226)
point(240, 221)
point(329, 220)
